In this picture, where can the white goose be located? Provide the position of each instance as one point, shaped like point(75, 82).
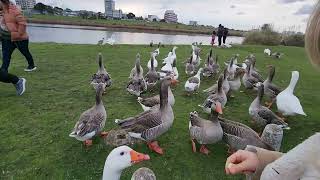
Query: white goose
point(267, 51)
point(119, 159)
point(288, 104)
point(193, 83)
point(166, 70)
point(155, 62)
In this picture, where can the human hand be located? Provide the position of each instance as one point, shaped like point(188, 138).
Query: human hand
point(242, 162)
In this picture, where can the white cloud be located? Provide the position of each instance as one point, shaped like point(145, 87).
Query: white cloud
point(304, 10)
point(290, 1)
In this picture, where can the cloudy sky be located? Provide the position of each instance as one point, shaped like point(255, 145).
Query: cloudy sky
point(238, 14)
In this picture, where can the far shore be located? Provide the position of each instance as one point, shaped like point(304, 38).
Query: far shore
point(122, 27)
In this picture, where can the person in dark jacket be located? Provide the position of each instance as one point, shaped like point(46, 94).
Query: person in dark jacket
point(19, 83)
point(225, 35)
point(220, 34)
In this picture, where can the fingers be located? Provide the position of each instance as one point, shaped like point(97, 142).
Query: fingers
point(241, 162)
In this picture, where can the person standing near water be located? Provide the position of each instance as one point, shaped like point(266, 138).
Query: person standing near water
point(15, 23)
point(213, 37)
point(225, 35)
point(220, 34)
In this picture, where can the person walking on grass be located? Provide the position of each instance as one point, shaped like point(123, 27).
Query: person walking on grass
point(220, 34)
point(14, 22)
point(19, 83)
point(213, 37)
point(225, 35)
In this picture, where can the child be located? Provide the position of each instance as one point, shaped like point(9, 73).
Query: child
point(213, 37)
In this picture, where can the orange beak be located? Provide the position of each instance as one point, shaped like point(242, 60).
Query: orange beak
point(219, 108)
point(138, 157)
point(174, 82)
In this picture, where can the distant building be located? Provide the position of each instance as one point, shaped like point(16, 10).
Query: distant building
point(153, 18)
point(111, 11)
point(193, 23)
point(117, 14)
point(170, 16)
point(26, 4)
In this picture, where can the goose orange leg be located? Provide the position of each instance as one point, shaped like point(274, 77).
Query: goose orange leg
point(194, 148)
point(154, 146)
point(104, 134)
point(87, 143)
point(204, 150)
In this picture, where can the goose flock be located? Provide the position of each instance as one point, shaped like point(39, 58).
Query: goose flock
point(157, 115)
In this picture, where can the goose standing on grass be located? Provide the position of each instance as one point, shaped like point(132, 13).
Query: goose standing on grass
point(288, 104)
point(102, 75)
point(219, 96)
point(193, 83)
point(175, 69)
point(119, 159)
point(248, 80)
point(133, 72)
point(225, 85)
point(155, 62)
point(277, 55)
point(254, 71)
point(111, 41)
point(237, 136)
point(190, 68)
point(148, 103)
point(235, 84)
point(100, 42)
point(92, 121)
point(208, 70)
point(152, 76)
point(168, 58)
point(216, 66)
point(205, 131)
point(267, 52)
point(166, 70)
point(270, 89)
point(149, 125)
point(261, 115)
point(137, 84)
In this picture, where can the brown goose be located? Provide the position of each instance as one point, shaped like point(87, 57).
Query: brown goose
point(148, 103)
point(270, 89)
point(220, 97)
point(261, 115)
point(151, 124)
point(133, 72)
point(235, 84)
point(238, 136)
point(137, 84)
point(208, 69)
point(152, 76)
point(190, 68)
point(225, 84)
point(254, 71)
point(92, 121)
point(102, 76)
point(248, 80)
point(205, 131)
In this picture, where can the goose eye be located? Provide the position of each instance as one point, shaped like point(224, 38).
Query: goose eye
point(122, 153)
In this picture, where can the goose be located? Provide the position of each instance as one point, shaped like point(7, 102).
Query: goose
point(211, 60)
point(155, 62)
point(152, 76)
point(149, 125)
point(216, 66)
point(248, 80)
point(270, 89)
point(237, 136)
point(111, 41)
point(175, 69)
point(151, 44)
point(267, 52)
point(288, 104)
point(171, 56)
point(193, 83)
point(235, 84)
point(100, 42)
point(119, 159)
point(190, 68)
point(225, 84)
point(219, 96)
point(133, 72)
point(137, 84)
point(92, 121)
point(148, 103)
point(102, 75)
point(261, 115)
point(254, 71)
point(168, 58)
point(277, 55)
point(157, 51)
point(196, 60)
point(166, 70)
point(208, 68)
point(205, 131)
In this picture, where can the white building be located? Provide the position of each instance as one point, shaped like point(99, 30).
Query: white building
point(111, 11)
point(117, 14)
point(170, 16)
point(26, 4)
point(193, 23)
point(153, 18)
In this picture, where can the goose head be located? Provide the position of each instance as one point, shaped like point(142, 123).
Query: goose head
point(119, 159)
point(216, 107)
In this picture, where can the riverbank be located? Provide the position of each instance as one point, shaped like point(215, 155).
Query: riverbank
point(35, 127)
point(125, 25)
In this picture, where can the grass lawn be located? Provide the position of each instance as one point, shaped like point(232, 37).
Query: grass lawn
point(34, 128)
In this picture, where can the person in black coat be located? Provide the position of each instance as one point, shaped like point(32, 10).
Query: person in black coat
point(220, 34)
point(225, 35)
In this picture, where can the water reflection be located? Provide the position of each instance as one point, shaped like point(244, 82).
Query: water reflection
point(78, 35)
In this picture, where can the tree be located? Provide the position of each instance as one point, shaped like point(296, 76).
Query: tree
point(162, 20)
point(50, 10)
point(131, 16)
point(40, 7)
point(154, 20)
point(58, 10)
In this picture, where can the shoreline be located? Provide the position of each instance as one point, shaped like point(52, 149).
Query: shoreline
point(125, 28)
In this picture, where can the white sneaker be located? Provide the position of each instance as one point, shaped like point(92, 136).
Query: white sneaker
point(30, 69)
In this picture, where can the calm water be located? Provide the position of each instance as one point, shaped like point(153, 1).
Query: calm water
point(91, 35)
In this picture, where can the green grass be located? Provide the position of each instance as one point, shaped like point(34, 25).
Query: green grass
point(130, 23)
point(34, 128)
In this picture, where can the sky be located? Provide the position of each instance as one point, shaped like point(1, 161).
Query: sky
point(236, 14)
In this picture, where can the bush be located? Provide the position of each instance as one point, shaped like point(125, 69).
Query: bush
point(294, 40)
point(265, 36)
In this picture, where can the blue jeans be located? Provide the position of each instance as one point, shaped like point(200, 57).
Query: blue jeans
point(7, 49)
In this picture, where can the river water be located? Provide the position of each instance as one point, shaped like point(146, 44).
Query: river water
point(91, 35)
